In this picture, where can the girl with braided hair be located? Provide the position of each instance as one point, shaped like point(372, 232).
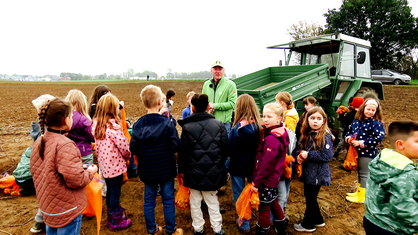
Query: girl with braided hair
point(58, 174)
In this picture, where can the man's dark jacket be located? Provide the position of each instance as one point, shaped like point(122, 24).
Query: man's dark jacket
point(154, 141)
point(203, 152)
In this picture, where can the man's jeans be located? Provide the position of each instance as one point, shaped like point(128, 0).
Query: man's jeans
point(167, 194)
point(72, 228)
point(238, 184)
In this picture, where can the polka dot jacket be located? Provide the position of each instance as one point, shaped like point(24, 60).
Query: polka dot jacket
point(370, 133)
point(113, 151)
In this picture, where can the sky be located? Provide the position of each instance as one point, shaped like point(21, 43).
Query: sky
point(96, 37)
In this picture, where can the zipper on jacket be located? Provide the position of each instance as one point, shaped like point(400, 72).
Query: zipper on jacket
point(214, 91)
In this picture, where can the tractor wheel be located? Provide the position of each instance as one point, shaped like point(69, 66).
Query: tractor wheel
point(367, 92)
point(397, 82)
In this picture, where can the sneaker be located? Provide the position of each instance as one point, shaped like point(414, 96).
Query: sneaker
point(178, 231)
point(222, 232)
point(300, 228)
point(199, 233)
point(320, 225)
point(158, 231)
point(240, 228)
point(37, 227)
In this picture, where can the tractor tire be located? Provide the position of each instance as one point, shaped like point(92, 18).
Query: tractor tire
point(397, 82)
point(367, 92)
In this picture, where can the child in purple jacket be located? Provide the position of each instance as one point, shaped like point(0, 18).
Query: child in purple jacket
point(80, 132)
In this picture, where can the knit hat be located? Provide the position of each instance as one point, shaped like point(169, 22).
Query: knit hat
point(357, 102)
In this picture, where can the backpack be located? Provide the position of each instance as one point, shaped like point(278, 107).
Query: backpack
point(292, 141)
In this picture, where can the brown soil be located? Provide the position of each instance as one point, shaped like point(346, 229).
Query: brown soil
point(16, 113)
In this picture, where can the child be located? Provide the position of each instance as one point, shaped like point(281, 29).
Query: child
point(98, 92)
point(112, 149)
point(57, 170)
point(80, 132)
point(269, 162)
point(309, 102)
point(202, 159)
point(391, 198)
point(187, 111)
point(314, 151)
point(346, 118)
point(169, 99)
point(154, 141)
point(292, 117)
point(244, 139)
point(22, 172)
point(368, 128)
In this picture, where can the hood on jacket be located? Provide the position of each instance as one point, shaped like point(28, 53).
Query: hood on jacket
point(195, 117)
point(278, 131)
point(152, 130)
point(76, 118)
point(388, 165)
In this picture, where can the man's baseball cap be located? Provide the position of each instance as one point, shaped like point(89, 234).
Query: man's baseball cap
point(217, 63)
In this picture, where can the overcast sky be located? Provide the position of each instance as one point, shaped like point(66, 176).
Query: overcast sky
point(95, 37)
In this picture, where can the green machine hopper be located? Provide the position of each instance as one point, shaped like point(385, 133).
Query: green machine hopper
point(332, 68)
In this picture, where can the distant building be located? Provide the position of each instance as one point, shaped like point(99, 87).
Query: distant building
point(65, 79)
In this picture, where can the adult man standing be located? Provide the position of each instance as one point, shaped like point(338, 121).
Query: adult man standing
point(222, 94)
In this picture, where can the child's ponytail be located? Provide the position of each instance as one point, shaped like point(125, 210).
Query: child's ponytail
point(41, 116)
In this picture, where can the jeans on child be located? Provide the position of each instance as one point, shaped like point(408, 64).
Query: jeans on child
point(238, 184)
point(167, 195)
point(69, 229)
point(114, 186)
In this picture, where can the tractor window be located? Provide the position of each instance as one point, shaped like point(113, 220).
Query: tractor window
point(295, 58)
point(363, 70)
point(311, 59)
point(347, 60)
point(330, 59)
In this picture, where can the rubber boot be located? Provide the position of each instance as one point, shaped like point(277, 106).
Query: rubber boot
point(261, 231)
point(109, 218)
point(117, 221)
point(360, 197)
point(356, 192)
point(280, 226)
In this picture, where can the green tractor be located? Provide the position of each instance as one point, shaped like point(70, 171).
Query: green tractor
point(332, 68)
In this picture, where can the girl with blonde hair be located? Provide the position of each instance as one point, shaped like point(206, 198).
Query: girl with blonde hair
point(80, 131)
point(292, 117)
point(244, 139)
point(112, 153)
point(269, 161)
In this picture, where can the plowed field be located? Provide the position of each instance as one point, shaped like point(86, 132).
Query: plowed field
point(16, 113)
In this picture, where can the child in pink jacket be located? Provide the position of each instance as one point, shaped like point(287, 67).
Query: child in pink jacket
point(112, 153)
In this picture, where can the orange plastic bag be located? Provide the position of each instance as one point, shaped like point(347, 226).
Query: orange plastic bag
point(128, 136)
point(342, 109)
point(182, 199)
point(244, 204)
point(94, 199)
point(7, 181)
point(287, 167)
point(350, 162)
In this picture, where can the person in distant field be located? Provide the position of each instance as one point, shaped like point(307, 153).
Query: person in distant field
point(222, 94)
point(392, 189)
point(188, 110)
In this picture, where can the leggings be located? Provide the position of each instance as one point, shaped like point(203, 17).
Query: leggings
point(363, 170)
point(264, 213)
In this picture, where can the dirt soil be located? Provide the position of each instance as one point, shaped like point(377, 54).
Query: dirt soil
point(17, 213)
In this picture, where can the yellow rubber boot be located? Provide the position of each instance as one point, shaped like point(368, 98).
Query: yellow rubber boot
point(360, 197)
point(355, 193)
